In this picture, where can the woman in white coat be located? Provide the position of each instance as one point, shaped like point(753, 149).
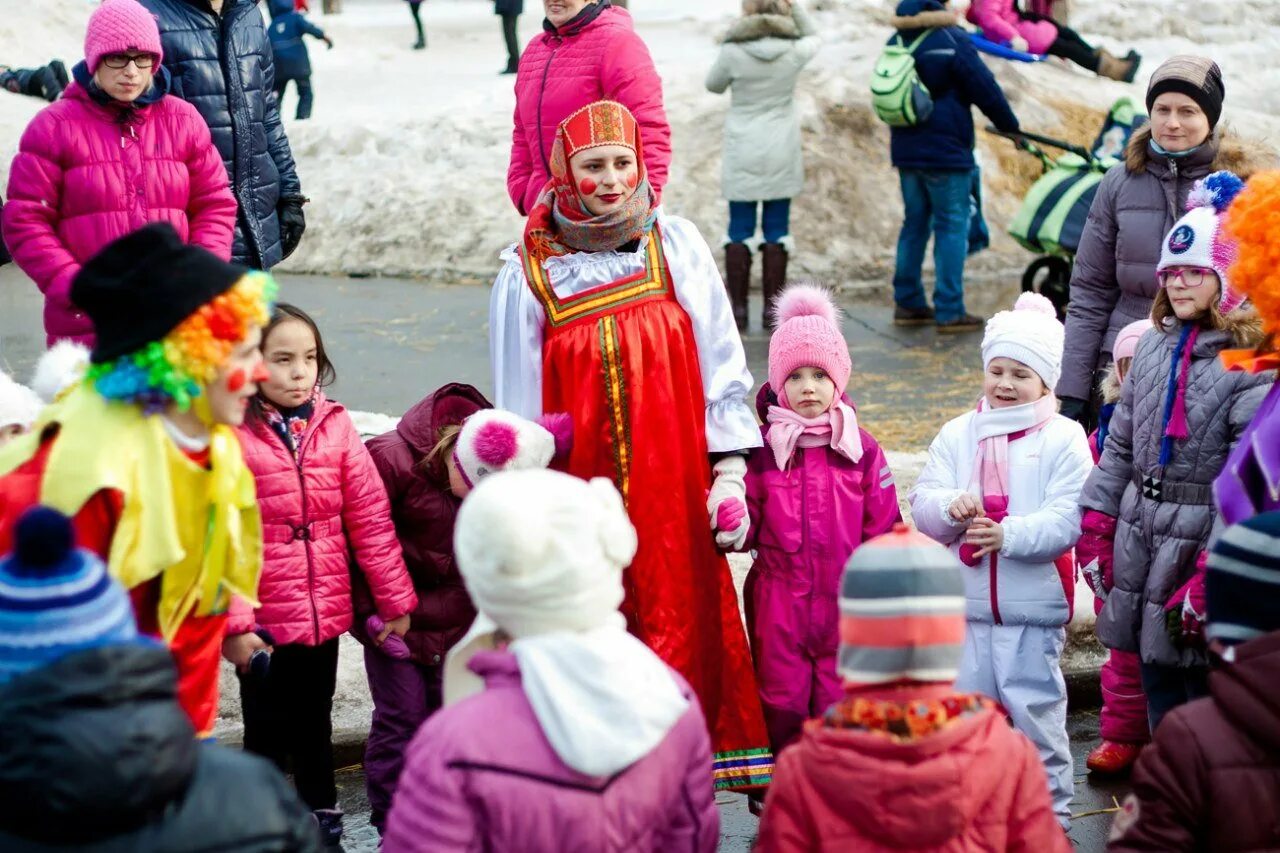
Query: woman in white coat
point(762, 56)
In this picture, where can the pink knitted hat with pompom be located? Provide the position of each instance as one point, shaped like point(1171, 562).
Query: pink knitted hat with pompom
point(120, 26)
point(807, 335)
point(1031, 334)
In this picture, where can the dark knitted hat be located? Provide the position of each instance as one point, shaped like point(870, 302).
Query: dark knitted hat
point(1242, 582)
point(140, 287)
point(1197, 77)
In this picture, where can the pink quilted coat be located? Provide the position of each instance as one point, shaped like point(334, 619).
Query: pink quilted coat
point(88, 173)
point(564, 71)
point(312, 512)
point(1000, 22)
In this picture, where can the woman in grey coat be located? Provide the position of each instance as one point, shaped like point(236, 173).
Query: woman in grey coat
point(762, 56)
point(1113, 281)
point(1149, 504)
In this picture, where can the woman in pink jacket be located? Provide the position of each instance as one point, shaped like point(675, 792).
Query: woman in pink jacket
point(114, 153)
point(1001, 21)
point(321, 498)
point(588, 52)
point(818, 489)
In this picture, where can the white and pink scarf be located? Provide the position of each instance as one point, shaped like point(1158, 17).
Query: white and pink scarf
point(836, 428)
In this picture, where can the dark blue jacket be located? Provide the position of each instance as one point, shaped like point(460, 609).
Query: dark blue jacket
point(222, 65)
point(285, 32)
point(954, 74)
point(508, 7)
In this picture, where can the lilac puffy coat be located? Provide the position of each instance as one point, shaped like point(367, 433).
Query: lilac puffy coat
point(88, 173)
point(481, 775)
point(314, 511)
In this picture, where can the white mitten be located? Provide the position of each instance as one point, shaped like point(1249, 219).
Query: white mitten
point(729, 484)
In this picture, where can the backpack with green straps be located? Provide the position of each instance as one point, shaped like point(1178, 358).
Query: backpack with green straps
point(897, 95)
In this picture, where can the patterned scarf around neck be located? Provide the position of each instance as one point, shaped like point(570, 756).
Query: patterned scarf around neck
point(289, 424)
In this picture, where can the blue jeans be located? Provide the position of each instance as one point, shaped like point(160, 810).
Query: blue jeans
point(742, 220)
point(935, 202)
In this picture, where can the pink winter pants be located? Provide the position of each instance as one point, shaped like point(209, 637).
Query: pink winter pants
point(1124, 705)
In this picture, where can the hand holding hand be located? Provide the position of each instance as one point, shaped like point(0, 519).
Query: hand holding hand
point(1019, 44)
point(986, 535)
point(239, 649)
point(729, 487)
point(965, 508)
point(398, 626)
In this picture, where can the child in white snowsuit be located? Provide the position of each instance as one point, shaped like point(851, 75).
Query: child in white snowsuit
point(1001, 488)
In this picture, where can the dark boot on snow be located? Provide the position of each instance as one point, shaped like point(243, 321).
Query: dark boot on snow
point(737, 280)
point(773, 277)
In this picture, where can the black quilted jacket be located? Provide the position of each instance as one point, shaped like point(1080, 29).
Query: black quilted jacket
point(222, 64)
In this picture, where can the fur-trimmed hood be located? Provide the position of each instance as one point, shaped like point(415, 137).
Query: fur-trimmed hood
point(756, 27)
point(925, 20)
point(1245, 157)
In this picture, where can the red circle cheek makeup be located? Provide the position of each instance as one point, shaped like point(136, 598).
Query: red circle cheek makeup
point(237, 379)
point(633, 179)
point(587, 186)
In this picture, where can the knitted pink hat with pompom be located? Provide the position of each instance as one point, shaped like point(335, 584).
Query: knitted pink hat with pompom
point(120, 26)
point(807, 335)
point(1031, 334)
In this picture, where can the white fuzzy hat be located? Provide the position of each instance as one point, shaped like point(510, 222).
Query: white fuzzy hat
point(493, 440)
point(61, 366)
point(18, 403)
point(1031, 334)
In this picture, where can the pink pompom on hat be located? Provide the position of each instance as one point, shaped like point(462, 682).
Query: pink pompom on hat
point(807, 335)
point(493, 440)
point(120, 26)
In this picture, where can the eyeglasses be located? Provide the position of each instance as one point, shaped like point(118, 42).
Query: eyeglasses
point(1187, 276)
point(122, 60)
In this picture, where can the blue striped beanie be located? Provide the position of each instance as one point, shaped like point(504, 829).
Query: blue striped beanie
point(1242, 581)
point(55, 599)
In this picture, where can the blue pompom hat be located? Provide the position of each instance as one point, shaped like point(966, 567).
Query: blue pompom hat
point(54, 598)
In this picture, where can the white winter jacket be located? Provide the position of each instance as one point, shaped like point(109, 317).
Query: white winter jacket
point(1047, 470)
point(762, 159)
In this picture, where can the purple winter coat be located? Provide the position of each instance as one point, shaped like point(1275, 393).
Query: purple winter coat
point(1250, 481)
point(1114, 279)
point(423, 510)
point(481, 775)
point(805, 522)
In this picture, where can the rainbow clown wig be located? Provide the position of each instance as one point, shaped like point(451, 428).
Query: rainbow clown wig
point(166, 316)
point(1253, 221)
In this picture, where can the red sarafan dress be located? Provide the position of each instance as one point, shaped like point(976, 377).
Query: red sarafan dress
point(639, 345)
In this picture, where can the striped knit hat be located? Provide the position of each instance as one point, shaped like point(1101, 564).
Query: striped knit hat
point(54, 599)
point(901, 611)
point(1242, 583)
point(1197, 77)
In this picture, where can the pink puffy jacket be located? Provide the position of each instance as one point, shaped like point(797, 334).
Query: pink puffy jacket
point(1000, 22)
point(562, 72)
point(88, 173)
point(311, 512)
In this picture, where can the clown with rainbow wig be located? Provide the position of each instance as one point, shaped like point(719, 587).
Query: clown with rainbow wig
point(142, 452)
point(614, 312)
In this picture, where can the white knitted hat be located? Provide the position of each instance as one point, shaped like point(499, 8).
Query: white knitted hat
point(493, 440)
point(1196, 240)
point(18, 403)
point(1031, 334)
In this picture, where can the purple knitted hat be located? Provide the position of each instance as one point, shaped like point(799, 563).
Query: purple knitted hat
point(808, 335)
point(120, 26)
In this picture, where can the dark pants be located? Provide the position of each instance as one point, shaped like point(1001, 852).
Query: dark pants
point(415, 9)
point(512, 39)
point(404, 695)
point(1167, 687)
point(305, 95)
point(1070, 46)
point(934, 203)
point(743, 216)
point(286, 718)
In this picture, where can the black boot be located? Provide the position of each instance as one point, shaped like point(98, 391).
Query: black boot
point(737, 280)
point(773, 277)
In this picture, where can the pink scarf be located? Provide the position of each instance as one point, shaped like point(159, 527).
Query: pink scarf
point(995, 429)
point(837, 428)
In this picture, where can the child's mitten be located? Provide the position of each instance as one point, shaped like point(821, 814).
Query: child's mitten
point(1095, 550)
point(1185, 610)
point(394, 645)
point(730, 484)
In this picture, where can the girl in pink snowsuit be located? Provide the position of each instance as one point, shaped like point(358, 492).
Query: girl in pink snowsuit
point(818, 489)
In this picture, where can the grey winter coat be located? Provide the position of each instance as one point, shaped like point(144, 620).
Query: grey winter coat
point(761, 58)
point(1114, 279)
point(1158, 541)
point(222, 64)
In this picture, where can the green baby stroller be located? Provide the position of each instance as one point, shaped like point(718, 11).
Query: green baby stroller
point(1053, 214)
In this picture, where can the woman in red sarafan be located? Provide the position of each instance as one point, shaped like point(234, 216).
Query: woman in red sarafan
point(615, 313)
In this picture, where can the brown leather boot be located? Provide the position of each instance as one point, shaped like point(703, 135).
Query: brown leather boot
point(737, 280)
point(774, 277)
point(1115, 68)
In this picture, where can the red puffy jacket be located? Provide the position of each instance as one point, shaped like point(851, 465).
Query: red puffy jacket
point(88, 173)
point(595, 58)
point(313, 511)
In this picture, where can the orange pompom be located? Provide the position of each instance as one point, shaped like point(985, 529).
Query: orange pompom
point(1253, 221)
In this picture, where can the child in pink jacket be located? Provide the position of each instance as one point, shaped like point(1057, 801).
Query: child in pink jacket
point(818, 489)
point(321, 498)
point(112, 154)
point(1001, 21)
